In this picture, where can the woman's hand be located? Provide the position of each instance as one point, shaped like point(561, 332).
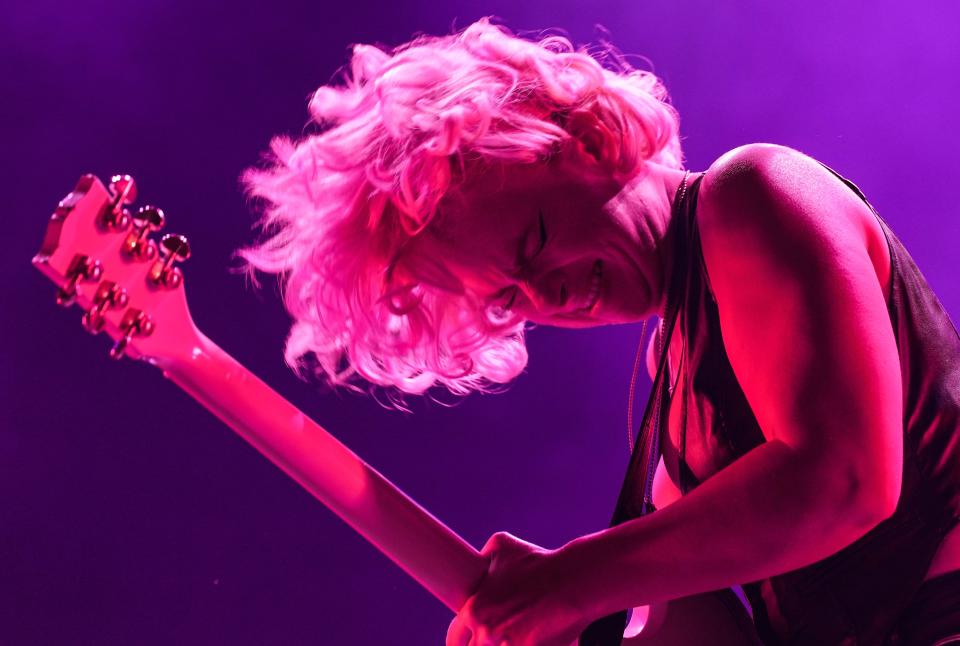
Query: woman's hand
point(526, 599)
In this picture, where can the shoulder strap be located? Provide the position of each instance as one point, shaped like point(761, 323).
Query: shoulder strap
point(646, 452)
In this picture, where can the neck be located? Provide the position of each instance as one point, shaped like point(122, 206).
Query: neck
point(668, 182)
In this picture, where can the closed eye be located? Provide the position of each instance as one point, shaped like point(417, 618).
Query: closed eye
point(525, 252)
point(543, 233)
point(524, 256)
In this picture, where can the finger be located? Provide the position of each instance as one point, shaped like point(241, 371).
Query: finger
point(498, 541)
point(457, 633)
point(492, 543)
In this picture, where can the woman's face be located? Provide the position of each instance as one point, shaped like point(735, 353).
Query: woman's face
point(560, 243)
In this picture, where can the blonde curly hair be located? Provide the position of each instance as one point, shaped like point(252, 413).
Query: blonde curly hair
point(345, 208)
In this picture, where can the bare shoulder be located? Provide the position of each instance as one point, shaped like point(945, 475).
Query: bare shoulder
point(763, 158)
point(760, 194)
point(770, 180)
point(757, 176)
point(773, 197)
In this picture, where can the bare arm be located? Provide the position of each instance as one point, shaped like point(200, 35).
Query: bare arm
point(807, 332)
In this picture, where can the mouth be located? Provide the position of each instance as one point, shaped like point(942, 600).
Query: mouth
point(596, 281)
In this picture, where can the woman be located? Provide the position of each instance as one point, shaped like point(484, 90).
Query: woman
point(809, 392)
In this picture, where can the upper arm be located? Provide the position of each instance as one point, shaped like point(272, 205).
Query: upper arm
point(803, 317)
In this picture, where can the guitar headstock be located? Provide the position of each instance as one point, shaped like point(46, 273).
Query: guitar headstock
point(102, 258)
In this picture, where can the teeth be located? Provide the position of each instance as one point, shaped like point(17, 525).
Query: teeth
point(596, 275)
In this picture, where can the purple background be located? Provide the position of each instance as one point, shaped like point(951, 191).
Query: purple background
point(129, 515)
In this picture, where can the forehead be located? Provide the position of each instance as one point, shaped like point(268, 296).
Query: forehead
point(486, 221)
point(498, 186)
point(485, 217)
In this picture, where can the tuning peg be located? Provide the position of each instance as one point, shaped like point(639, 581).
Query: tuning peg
point(175, 248)
point(124, 190)
point(135, 323)
point(108, 295)
point(147, 220)
point(81, 268)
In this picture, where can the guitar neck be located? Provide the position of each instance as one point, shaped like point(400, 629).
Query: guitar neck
point(440, 560)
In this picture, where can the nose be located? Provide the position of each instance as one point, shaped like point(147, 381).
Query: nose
point(547, 293)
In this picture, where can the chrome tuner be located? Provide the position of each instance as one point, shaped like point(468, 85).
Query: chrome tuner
point(108, 295)
point(135, 323)
point(81, 268)
point(175, 248)
point(147, 220)
point(124, 191)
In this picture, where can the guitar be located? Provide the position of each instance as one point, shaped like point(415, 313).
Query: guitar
point(102, 258)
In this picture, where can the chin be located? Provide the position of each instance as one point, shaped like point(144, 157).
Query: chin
point(578, 320)
point(573, 323)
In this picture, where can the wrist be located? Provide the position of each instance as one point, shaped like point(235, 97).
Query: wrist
point(582, 566)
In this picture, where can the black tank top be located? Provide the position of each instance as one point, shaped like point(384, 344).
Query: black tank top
point(856, 595)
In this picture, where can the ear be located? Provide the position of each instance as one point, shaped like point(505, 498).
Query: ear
point(594, 137)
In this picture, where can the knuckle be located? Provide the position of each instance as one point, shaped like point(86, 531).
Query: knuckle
point(493, 542)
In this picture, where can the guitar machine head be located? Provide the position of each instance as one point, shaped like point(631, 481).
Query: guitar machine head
point(102, 258)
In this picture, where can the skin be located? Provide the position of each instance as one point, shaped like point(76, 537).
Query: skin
point(493, 232)
point(799, 274)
